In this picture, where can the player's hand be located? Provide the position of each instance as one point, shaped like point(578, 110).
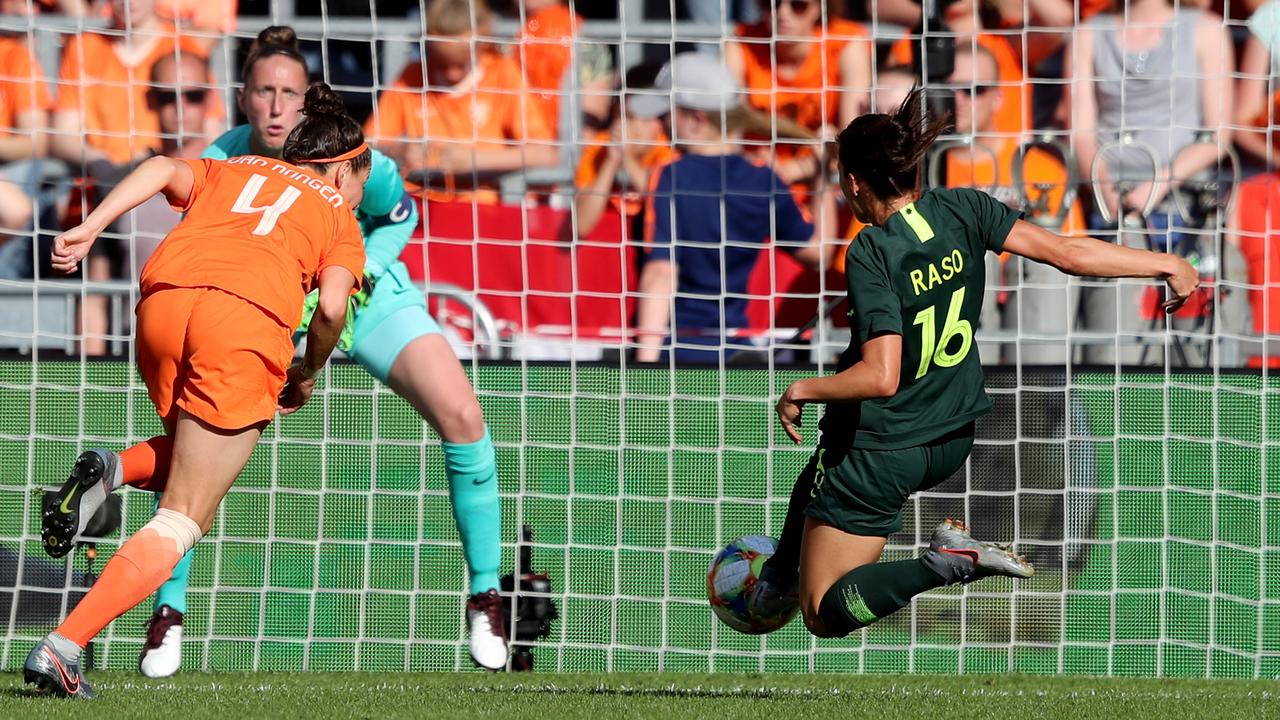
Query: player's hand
point(296, 392)
point(789, 410)
point(1182, 284)
point(71, 247)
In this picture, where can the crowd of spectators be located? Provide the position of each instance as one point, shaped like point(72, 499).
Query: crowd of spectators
point(702, 171)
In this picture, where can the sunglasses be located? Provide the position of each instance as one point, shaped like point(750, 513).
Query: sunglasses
point(798, 7)
point(970, 91)
point(193, 96)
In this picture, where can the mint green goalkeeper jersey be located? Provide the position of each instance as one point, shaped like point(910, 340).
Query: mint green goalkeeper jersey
point(922, 276)
point(388, 216)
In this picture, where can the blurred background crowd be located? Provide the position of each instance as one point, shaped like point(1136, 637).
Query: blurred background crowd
point(651, 177)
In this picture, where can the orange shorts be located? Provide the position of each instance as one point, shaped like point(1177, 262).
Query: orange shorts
point(213, 354)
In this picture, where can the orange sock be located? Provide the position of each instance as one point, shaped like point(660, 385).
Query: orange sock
point(146, 465)
point(138, 569)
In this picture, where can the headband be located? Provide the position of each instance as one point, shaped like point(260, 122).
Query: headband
point(353, 153)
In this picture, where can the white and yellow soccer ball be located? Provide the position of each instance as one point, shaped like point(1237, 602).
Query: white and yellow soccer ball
point(732, 582)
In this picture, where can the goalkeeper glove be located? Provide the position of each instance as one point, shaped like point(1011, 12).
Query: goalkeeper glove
point(355, 304)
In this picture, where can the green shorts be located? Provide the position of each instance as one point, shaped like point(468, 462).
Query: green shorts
point(863, 493)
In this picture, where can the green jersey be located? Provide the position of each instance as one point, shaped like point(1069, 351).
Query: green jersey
point(921, 276)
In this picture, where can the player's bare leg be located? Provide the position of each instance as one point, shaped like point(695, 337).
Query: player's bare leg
point(206, 461)
point(843, 588)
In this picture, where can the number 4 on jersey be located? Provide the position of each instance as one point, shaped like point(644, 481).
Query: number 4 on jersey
point(934, 348)
point(270, 213)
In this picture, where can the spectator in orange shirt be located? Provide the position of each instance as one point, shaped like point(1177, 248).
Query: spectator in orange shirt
point(795, 68)
point(618, 164)
point(102, 119)
point(463, 121)
point(208, 18)
point(1014, 116)
point(546, 52)
point(1032, 298)
point(24, 97)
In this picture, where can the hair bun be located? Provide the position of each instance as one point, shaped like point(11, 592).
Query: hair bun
point(281, 35)
point(322, 100)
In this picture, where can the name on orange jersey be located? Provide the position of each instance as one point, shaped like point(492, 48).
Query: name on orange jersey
point(327, 191)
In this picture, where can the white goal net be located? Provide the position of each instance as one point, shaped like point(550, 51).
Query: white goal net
point(1129, 454)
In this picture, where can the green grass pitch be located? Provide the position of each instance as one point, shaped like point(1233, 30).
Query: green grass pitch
point(548, 696)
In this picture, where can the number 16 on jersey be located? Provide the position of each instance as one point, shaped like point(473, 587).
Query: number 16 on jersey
point(933, 348)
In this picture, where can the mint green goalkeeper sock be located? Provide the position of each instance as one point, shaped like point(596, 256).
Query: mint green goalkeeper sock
point(871, 592)
point(472, 472)
point(174, 590)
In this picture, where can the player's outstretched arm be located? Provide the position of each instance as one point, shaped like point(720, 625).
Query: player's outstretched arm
point(326, 326)
point(1091, 257)
point(159, 174)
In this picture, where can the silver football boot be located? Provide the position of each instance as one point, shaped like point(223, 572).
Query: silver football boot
point(956, 556)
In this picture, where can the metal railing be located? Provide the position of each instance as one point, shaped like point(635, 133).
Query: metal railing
point(44, 314)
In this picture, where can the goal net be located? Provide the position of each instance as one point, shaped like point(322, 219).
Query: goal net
point(1127, 456)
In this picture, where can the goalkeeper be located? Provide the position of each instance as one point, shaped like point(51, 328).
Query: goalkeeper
point(392, 336)
point(901, 410)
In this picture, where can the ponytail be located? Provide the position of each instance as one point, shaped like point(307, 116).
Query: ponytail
point(885, 150)
point(327, 134)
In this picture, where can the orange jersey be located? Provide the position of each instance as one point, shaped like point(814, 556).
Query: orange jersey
point(22, 85)
point(628, 203)
point(1014, 114)
point(811, 96)
point(1040, 169)
point(495, 111)
point(546, 52)
point(260, 229)
point(111, 97)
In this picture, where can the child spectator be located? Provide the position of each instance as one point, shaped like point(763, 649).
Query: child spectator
point(893, 85)
point(709, 216)
point(476, 116)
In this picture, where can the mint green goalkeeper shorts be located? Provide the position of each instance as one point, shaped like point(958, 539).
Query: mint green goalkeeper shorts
point(395, 316)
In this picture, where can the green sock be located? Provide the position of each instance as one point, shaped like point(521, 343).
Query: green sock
point(784, 565)
point(472, 473)
point(871, 592)
point(174, 590)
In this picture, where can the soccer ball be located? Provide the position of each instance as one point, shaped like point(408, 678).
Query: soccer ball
point(731, 580)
